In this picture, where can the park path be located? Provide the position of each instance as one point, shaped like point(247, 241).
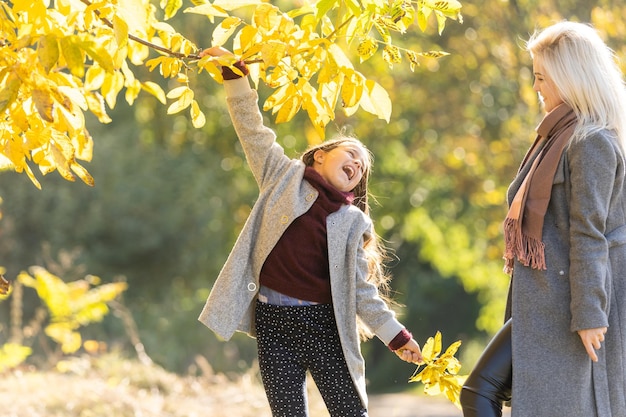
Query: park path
point(411, 405)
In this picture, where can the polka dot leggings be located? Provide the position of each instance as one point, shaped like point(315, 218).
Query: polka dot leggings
point(292, 340)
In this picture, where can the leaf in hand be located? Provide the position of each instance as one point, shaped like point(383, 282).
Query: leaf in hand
point(439, 373)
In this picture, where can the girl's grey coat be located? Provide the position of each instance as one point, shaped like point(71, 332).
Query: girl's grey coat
point(285, 195)
point(583, 287)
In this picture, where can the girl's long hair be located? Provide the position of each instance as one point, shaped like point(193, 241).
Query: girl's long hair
point(586, 74)
point(377, 254)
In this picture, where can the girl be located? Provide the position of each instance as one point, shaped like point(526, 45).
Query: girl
point(305, 268)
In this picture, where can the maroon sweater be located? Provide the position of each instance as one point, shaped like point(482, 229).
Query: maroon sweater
point(298, 264)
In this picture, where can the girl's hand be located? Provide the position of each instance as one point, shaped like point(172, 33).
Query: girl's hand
point(592, 340)
point(215, 51)
point(410, 352)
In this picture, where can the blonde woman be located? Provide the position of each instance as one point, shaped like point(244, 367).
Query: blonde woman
point(562, 351)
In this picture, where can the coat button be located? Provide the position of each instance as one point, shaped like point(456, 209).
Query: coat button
point(561, 272)
point(310, 197)
point(284, 219)
point(251, 286)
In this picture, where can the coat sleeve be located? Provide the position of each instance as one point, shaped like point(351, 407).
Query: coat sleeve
point(593, 163)
point(265, 157)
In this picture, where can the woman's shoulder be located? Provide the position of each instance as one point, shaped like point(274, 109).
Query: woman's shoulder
point(597, 143)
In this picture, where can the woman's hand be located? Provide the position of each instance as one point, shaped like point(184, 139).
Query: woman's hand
point(592, 340)
point(410, 352)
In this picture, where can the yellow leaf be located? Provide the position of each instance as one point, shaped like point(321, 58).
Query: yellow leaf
point(246, 39)
point(82, 173)
point(434, 54)
point(94, 78)
point(170, 7)
point(62, 154)
point(83, 145)
point(391, 55)
point(121, 31)
point(31, 176)
point(63, 334)
point(376, 101)
point(12, 355)
point(272, 52)
point(155, 90)
point(352, 88)
point(177, 92)
point(197, 117)
point(98, 54)
point(288, 109)
point(96, 105)
point(422, 18)
point(74, 95)
point(113, 84)
point(278, 97)
point(207, 10)
point(412, 57)
point(132, 91)
point(267, 17)
point(366, 48)
point(9, 92)
point(224, 30)
point(48, 52)
point(383, 31)
point(441, 21)
point(449, 8)
point(73, 56)
point(183, 102)
point(44, 104)
point(339, 57)
point(235, 4)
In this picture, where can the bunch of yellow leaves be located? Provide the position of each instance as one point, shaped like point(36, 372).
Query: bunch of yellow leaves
point(439, 373)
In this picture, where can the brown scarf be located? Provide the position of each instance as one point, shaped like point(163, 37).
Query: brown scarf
point(524, 222)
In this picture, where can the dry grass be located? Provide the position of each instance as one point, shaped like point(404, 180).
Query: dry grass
point(110, 386)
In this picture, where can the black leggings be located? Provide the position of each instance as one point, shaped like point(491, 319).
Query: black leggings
point(489, 383)
point(294, 340)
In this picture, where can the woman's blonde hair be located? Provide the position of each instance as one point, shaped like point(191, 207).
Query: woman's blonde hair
point(586, 74)
point(376, 253)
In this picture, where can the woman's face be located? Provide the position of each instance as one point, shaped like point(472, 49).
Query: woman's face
point(342, 167)
point(544, 86)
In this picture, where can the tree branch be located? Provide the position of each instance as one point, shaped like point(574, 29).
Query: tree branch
point(143, 41)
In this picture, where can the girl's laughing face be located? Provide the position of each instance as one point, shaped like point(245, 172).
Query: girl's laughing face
point(342, 167)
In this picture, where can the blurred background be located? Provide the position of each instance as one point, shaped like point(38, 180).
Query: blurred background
point(170, 200)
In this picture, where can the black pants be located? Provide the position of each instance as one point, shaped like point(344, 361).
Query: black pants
point(489, 383)
point(292, 340)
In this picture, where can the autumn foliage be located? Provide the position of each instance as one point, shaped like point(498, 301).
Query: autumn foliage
point(60, 59)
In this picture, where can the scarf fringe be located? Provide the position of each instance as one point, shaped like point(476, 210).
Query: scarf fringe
point(528, 250)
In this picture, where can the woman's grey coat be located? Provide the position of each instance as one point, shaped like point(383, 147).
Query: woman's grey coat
point(285, 195)
point(583, 287)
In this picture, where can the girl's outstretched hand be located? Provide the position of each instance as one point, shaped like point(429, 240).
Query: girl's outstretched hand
point(215, 51)
point(410, 352)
